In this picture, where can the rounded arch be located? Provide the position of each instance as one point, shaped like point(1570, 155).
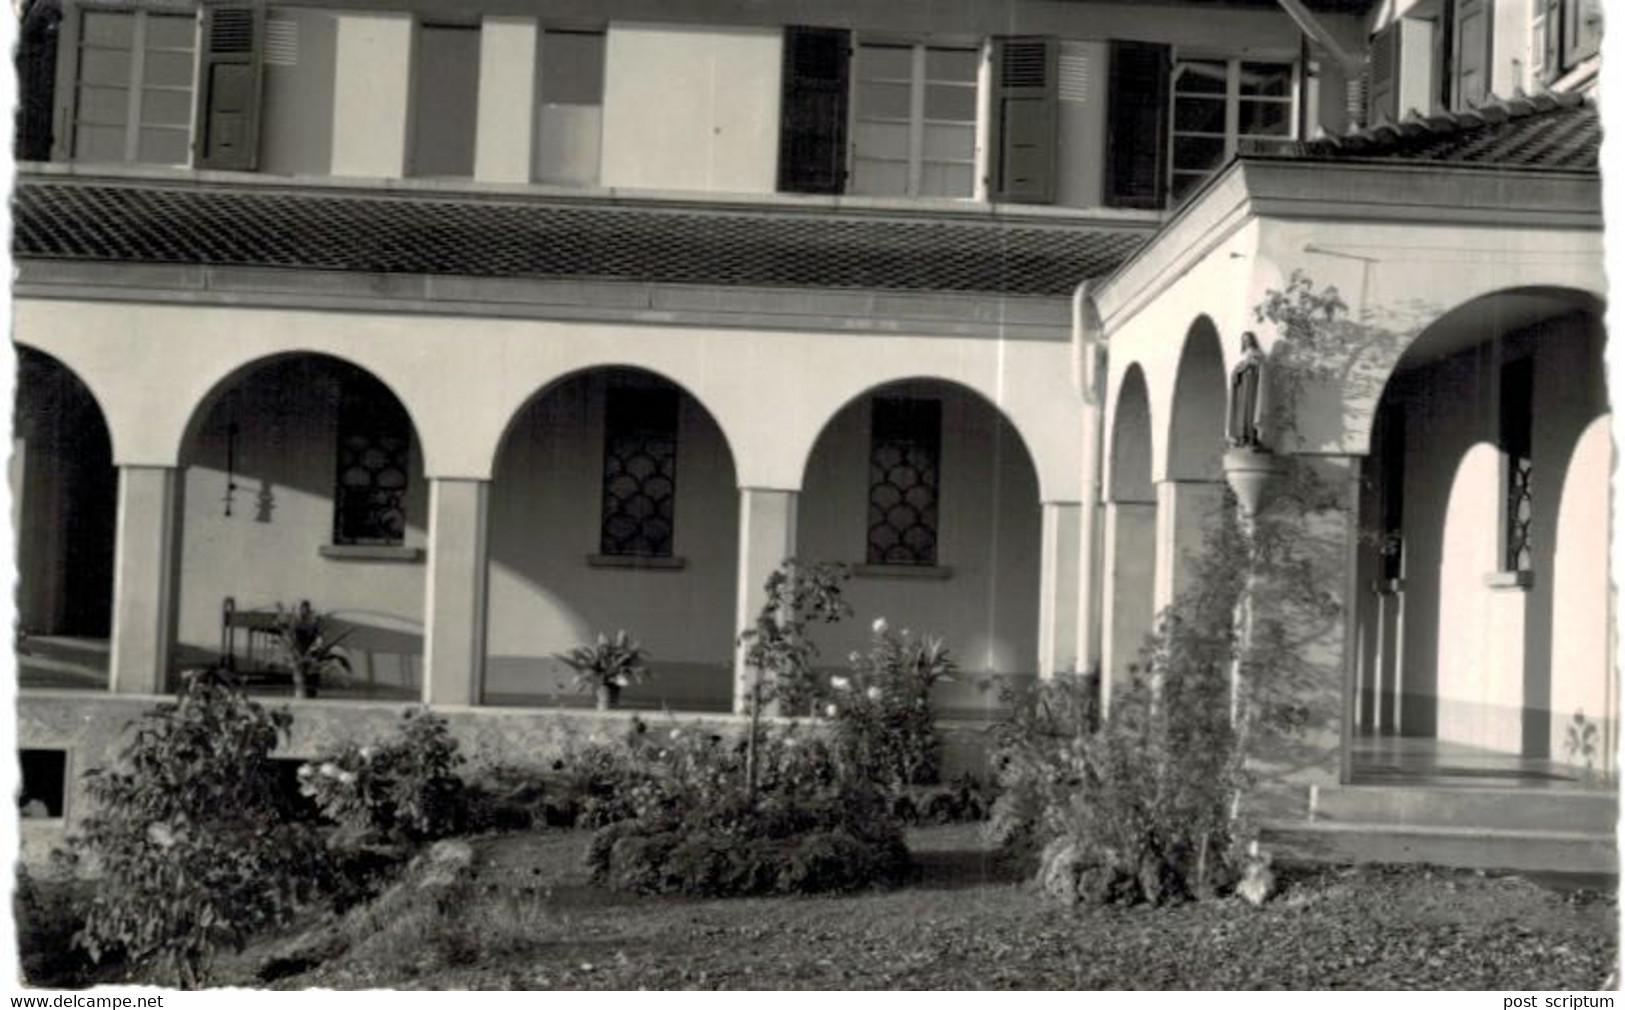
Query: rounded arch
point(1478, 320)
point(235, 375)
point(1196, 422)
point(634, 371)
point(65, 512)
point(39, 356)
point(1128, 474)
point(916, 385)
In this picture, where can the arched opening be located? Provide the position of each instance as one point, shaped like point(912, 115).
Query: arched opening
point(1193, 491)
point(1130, 534)
point(1196, 422)
point(1470, 663)
point(302, 481)
point(614, 505)
point(64, 516)
point(928, 492)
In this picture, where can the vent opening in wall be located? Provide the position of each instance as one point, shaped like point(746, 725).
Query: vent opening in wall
point(281, 42)
point(44, 783)
point(231, 30)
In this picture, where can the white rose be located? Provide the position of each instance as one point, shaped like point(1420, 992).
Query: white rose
point(873, 693)
point(366, 753)
point(347, 778)
point(840, 683)
point(304, 771)
point(830, 711)
point(329, 769)
point(880, 626)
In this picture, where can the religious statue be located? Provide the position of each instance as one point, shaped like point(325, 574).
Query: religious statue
point(1241, 427)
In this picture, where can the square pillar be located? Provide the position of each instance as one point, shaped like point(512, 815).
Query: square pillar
point(1058, 588)
point(143, 580)
point(1128, 567)
point(767, 535)
point(1184, 510)
point(455, 603)
point(507, 113)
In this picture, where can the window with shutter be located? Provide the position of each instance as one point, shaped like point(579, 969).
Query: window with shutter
point(812, 141)
point(914, 120)
point(1471, 79)
point(36, 78)
point(229, 89)
point(1024, 120)
point(1136, 135)
point(445, 100)
point(127, 86)
point(569, 108)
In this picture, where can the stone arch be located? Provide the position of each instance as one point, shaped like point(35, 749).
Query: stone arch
point(1196, 422)
point(613, 505)
point(1131, 450)
point(954, 550)
point(64, 514)
point(1129, 569)
point(302, 478)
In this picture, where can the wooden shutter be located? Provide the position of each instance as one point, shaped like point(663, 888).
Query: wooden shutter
point(1582, 30)
point(1472, 51)
point(229, 78)
point(1382, 94)
point(1137, 130)
point(1024, 120)
point(36, 78)
point(812, 137)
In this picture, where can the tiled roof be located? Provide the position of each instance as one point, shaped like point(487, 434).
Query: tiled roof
point(121, 222)
point(1548, 132)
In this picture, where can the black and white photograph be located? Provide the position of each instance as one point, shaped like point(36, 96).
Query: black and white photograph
point(810, 495)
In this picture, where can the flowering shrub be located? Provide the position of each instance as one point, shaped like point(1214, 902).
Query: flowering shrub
point(404, 790)
point(884, 729)
point(195, 846)
point(695, 827)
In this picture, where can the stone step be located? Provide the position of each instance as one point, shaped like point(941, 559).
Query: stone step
point(1588, 811)
point(1549, 851)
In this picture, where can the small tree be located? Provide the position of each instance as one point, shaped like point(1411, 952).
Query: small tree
point(194, 842)
point(779, 649)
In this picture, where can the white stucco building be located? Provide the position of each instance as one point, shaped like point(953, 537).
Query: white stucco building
point(487, 327)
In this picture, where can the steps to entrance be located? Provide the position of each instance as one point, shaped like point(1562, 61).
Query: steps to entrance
point(1556, 830)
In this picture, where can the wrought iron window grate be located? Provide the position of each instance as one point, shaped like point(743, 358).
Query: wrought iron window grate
point(640, 473)
point(1517, 424)
point(904, 452)
point(374, 461)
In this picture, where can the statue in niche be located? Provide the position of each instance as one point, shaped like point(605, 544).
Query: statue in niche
point(1246, 399)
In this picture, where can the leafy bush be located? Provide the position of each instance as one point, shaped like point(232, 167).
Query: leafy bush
point(881, 716)
point(399, 792)
point(48, 912)
point(697, 829)
point(1030, 756)
point(193, 843)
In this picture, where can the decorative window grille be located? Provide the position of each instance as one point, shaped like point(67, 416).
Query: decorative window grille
point(640, 472)
point(905, 446)
point(374, 459)
point(1517, 417)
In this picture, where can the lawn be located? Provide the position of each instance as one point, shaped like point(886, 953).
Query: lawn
point(535, 923)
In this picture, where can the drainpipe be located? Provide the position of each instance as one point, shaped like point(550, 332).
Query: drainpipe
point(1089, 349)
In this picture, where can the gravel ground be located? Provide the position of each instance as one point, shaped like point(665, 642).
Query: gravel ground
point(968, 925)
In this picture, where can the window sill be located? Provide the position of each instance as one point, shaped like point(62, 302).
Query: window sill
point(1520, 581)
point(371, 552)
point(902, 571)
point(638, 561)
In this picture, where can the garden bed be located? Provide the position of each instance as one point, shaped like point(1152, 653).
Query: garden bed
point(968, 922)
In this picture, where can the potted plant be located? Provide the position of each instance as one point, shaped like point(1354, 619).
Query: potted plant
point(304, 649)
point(607, 666)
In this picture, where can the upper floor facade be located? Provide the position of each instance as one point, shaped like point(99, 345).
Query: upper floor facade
point(1099, 107)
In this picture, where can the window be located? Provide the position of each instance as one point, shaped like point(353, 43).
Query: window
point(1517, 422)
point(1218, 104)
point(640, 472)
point(569, 108)
point(44, 785)
point(1565, 33)
point(905, 444)
point(132, 91)
point(374, 460)
point(914, 121)
point(445, 96)
point(1137, 130)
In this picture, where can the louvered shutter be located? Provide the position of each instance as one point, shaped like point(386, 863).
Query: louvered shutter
point(1024, 120)
point(228, 120)
point(1472, 52)
point(812, 136)
point(1382, 94)
point(1137, 126)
